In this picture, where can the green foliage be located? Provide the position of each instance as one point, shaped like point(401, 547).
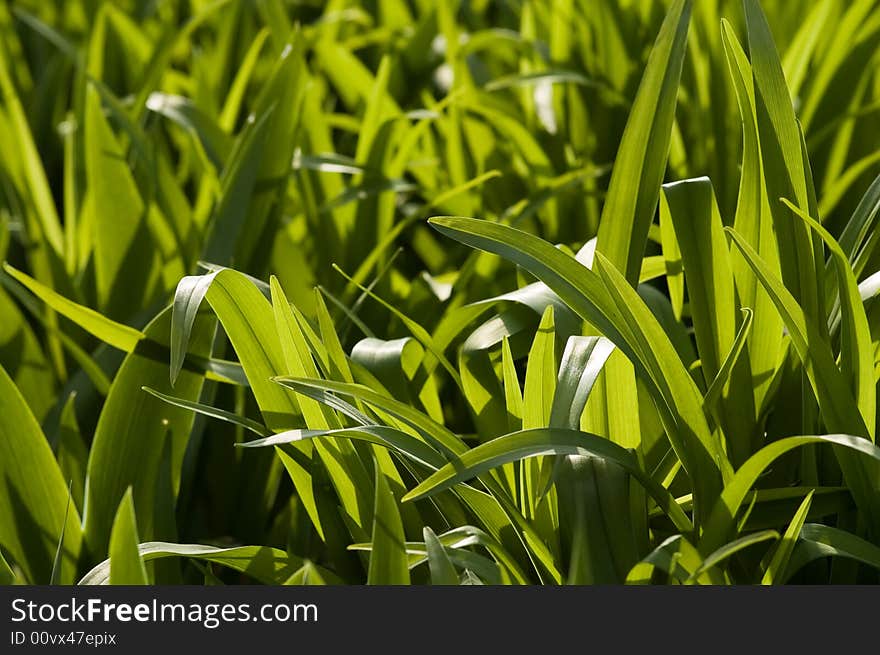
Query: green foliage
point(247, 323)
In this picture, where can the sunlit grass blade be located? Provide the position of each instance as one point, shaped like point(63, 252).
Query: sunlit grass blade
point(36, 491)
point(638, 335)
point(641, 158)
point(818, 541)
point(116, 334)
point(126, 565)
point(264, 564)
point(213, 412)
point(388, 562)
point(442, 570)
point(131, 433)
point(782, 555)
point(548, 441)
point(722, 518)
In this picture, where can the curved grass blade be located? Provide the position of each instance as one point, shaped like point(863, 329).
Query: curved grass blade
point(616, 310)
point(838, 407)
point(116, 334)
point(581, 365)
point(188, 296)
point(722, 519)
point(677, 557)
point(381, 435)
point(818, 541)
point(440, 436)
point(729, 550)
point(546, 441)
point(775, 571)
point(264, 564)
point(213, 412)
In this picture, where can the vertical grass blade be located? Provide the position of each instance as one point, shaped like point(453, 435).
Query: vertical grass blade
point(641, 158)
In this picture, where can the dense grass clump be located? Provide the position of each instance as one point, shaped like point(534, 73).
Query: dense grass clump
point(581, 291)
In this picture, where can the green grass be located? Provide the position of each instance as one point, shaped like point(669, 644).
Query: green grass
point(412, 292)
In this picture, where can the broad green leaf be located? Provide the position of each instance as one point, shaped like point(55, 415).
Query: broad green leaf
point(247, 318)
point(582, 483)
point(133, 428)
point(513, 399)
point(116, 215)
point(34, 503)
point(699, 233)
point(671, 259)
point(538, 392)
point(838, 405)
point(397, 363)
point(540, 382)
point(298, 356)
